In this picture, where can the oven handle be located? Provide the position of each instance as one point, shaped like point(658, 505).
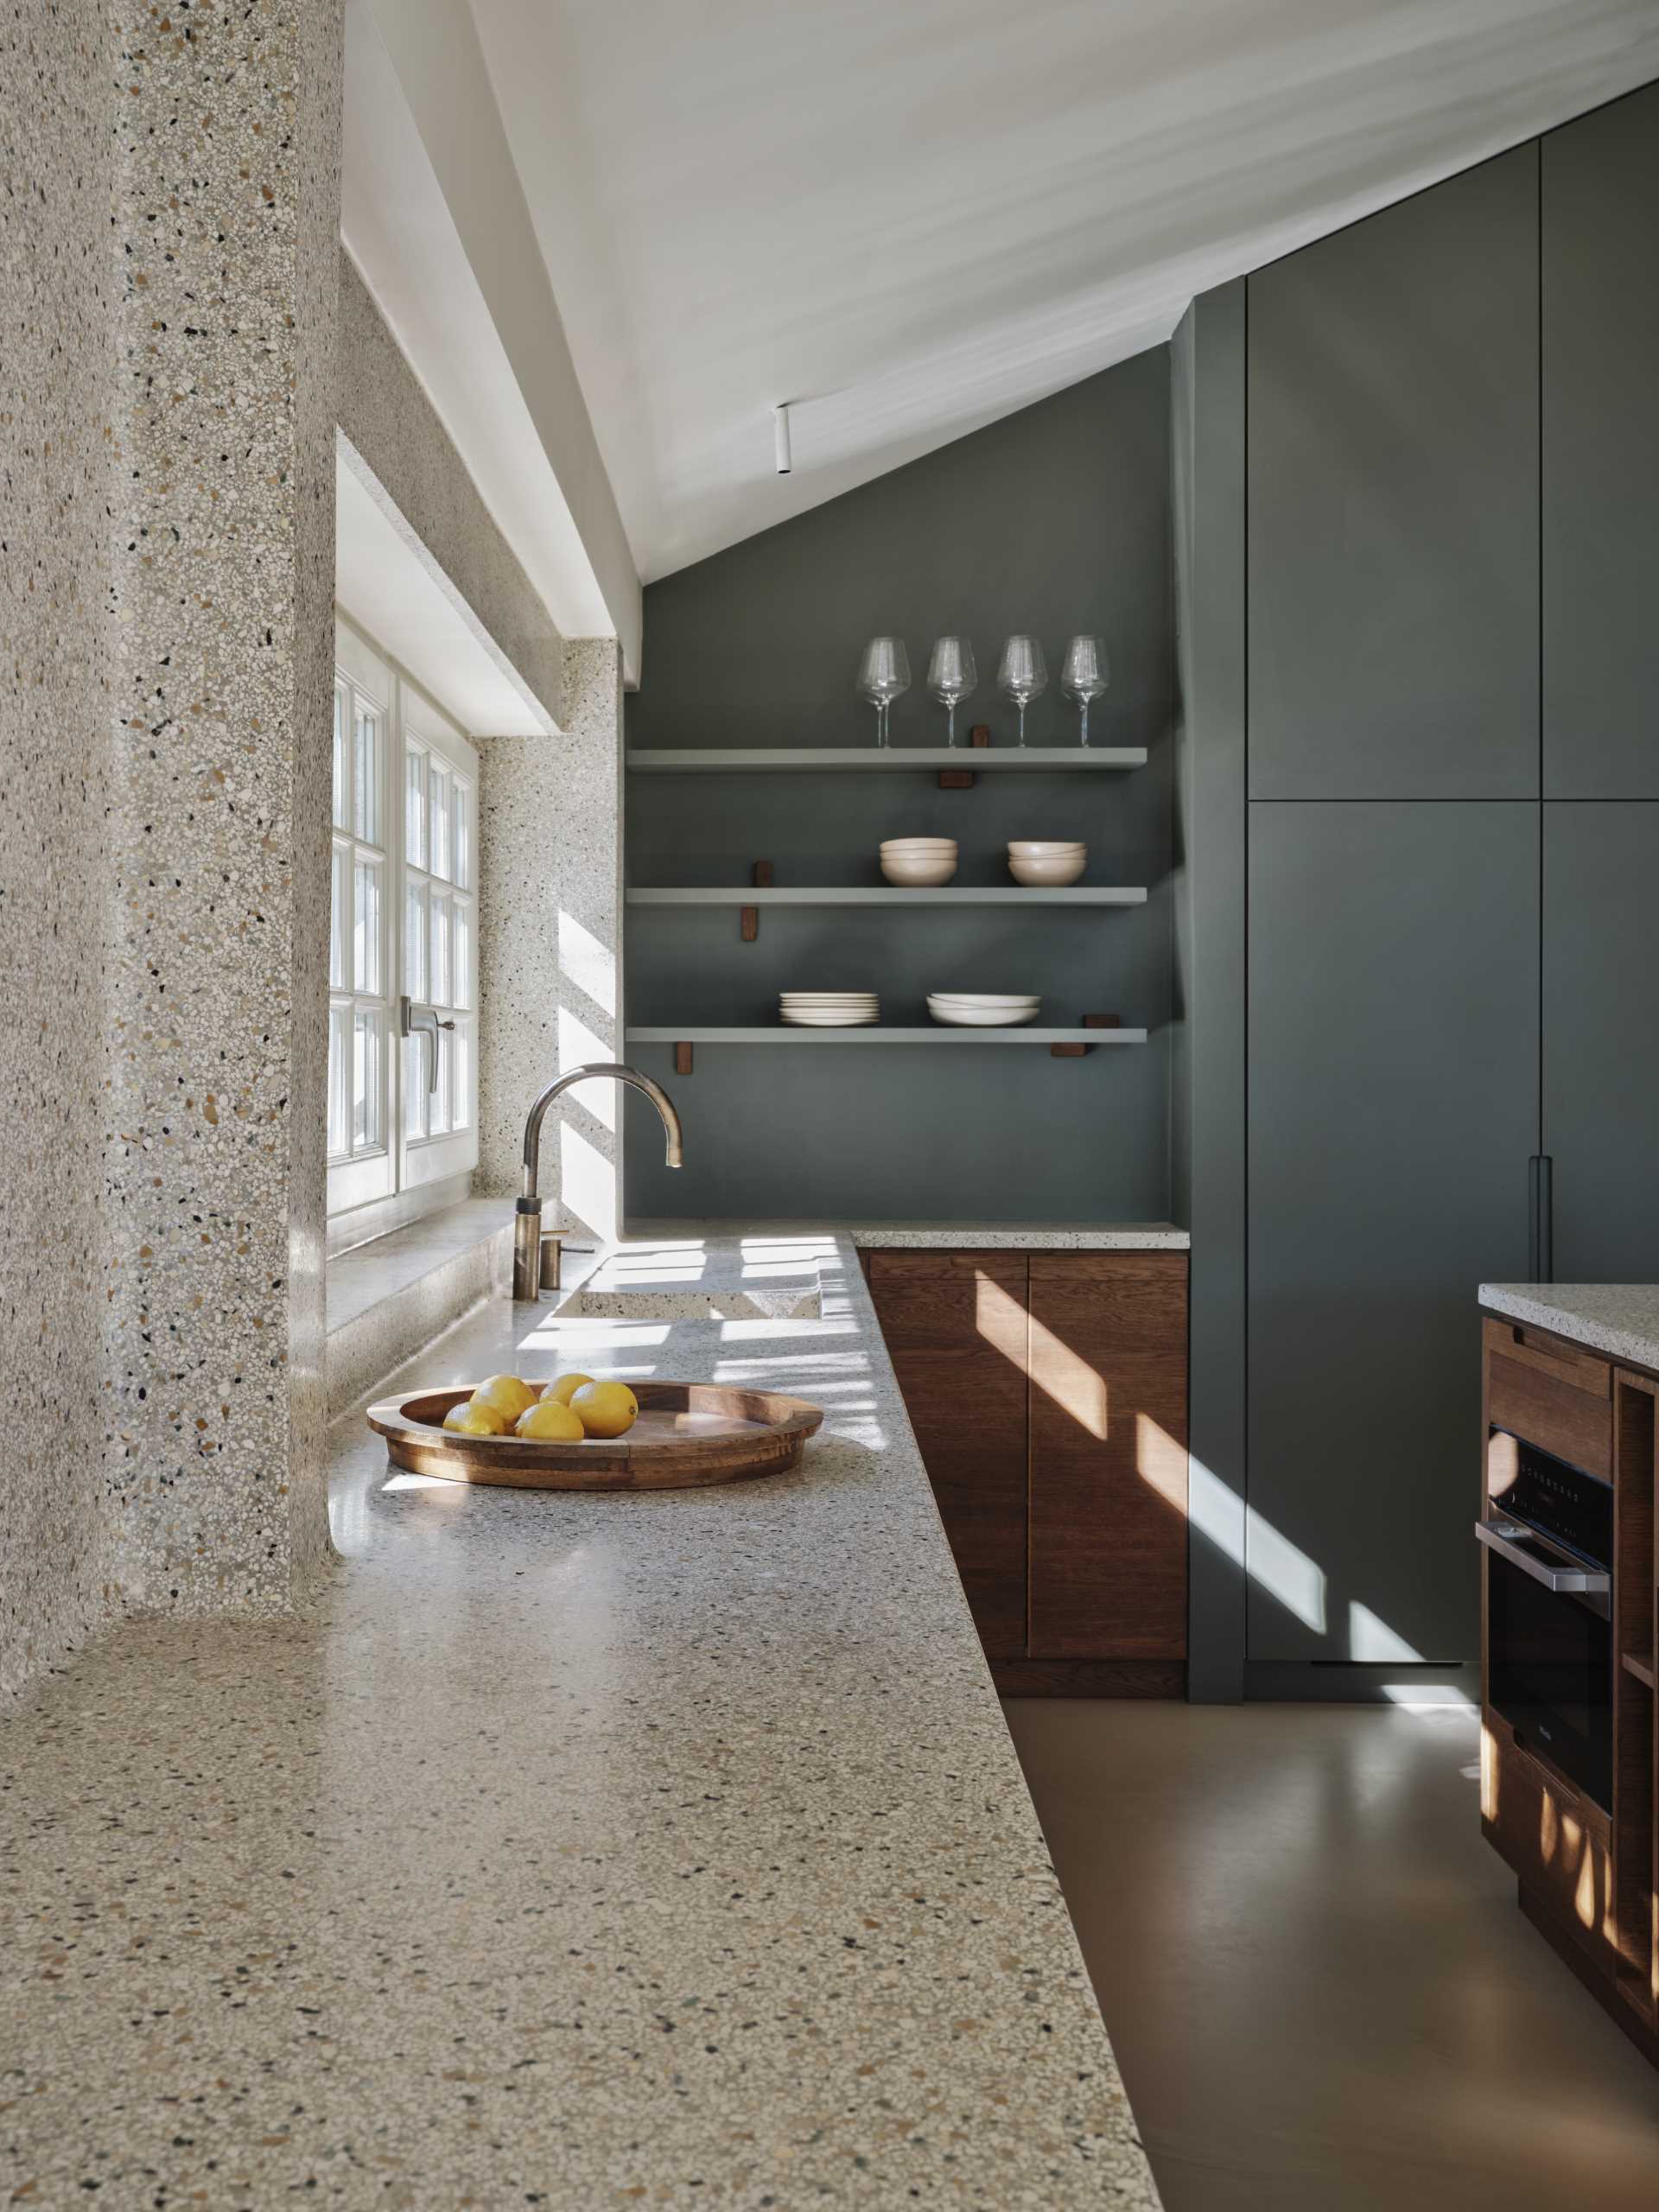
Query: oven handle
point(1569, 1579)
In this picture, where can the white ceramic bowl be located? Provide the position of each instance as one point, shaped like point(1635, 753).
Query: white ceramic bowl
point(1044, 849)
point(1062, 868)
point(919, 871)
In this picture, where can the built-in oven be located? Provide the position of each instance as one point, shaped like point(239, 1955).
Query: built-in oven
point(1549, 1534)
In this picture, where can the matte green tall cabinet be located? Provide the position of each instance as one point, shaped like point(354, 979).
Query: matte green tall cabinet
point(1450, 556)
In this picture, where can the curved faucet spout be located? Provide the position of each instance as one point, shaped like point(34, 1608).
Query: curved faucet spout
point(527, 1224)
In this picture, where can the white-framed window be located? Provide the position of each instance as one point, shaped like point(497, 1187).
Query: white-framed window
point(403, 922)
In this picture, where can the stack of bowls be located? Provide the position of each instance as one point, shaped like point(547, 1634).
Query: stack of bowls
point(829, 1009)
point(1035, 860)
point(918, 861)
point(981, 1009)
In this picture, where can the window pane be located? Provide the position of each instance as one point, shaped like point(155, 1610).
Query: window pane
point(417, 1052)
point(437, 1105)
point(460, 982)
point(365, 926)
point(441, 970)
point(415, 939)
point(461, 856)
point(461, 1112)
point(342, 764)
point(367, 793)
point(414, 808)
point(339, 920)
point(437, 785)
point(365, 1081)
point(340, 1079)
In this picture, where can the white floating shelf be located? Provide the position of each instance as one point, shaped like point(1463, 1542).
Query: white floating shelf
point(888, 894)
point(844, 759)
point(876, 1033)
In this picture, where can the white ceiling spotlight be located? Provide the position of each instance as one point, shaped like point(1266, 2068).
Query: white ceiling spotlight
point(780, 437)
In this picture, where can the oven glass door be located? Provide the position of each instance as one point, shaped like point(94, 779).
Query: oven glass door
point(1550, 1674)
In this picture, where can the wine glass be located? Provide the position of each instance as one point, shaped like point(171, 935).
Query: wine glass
point(952, 676)
point(1024, 674)
point(883, 674)
point(1085, 675)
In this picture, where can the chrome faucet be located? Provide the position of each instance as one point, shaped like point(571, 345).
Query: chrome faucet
point(527, 1220)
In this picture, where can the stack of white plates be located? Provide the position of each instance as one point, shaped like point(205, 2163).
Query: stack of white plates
point(829, 1009)
point(918, 861)
point(981, 1009)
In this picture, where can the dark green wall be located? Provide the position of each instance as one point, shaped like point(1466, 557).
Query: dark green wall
point(1054, 520)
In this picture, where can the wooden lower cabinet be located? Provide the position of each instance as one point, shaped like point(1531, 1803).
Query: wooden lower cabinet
point(1047, 1392)
point(1588, 1879)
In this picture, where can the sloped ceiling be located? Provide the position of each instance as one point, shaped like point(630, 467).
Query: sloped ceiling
point(909, 217)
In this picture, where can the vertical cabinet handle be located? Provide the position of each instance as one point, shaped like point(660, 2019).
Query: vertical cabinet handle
point(1541, 1263)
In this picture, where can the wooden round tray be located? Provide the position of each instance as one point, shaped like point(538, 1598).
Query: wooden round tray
point(688, 1435)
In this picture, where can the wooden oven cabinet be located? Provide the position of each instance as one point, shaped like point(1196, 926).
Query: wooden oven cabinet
point(1589, 1882)
point(1047, 1391)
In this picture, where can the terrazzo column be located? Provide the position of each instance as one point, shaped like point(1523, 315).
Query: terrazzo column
point(169, 277)
point(56, 282)
point(551, 944)
point(227, 223)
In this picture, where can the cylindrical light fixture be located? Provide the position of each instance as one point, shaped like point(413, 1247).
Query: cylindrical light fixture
point(780, 437)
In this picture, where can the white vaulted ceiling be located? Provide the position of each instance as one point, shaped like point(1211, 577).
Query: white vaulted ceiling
point(909, 217)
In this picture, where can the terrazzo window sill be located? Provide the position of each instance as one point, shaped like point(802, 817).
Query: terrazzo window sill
point(387, 1299)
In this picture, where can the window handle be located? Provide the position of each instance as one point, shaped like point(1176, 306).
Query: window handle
point(423, 1021)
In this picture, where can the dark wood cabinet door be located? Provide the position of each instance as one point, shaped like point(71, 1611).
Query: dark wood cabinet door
point(956, 1331)
point(1109, 1465)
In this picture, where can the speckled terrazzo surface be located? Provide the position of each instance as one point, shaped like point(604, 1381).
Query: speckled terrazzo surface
point(169, 213)
point(916, 1236)
point(551, 944)
point(578, 1851)
point(1621, 1319)
point(413, 469)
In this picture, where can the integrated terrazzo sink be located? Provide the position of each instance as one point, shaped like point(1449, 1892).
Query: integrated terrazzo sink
point(783, 1302)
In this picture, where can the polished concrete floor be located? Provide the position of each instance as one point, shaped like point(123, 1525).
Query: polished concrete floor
point(1321, 1991)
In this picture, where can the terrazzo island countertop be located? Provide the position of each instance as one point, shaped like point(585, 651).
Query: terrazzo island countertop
point(1619, 1318)
point(572, 1852)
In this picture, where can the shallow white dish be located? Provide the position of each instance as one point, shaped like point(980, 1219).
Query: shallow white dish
point(982, 1017)
point(986, 998)
point(858, 1018)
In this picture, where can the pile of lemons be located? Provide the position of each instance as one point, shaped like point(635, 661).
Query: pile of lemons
point(565, 1412)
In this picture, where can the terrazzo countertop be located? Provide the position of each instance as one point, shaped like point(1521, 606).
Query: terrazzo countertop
point(570, 1851)
point(920, 1235)
point(1619, 1318)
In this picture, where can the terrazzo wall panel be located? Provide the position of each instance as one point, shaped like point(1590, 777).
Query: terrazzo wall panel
point(56, 281)
point(168, 278)
point(423, 485)
point(551, 942)
point(227, 214)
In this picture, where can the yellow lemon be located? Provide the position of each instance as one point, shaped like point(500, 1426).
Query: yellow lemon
point(605, 1409)
point(471, 1419)
point(549, 1422)
point(507, 1395)
point(559, 1391)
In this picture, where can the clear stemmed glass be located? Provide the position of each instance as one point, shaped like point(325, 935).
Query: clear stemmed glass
point(1023, 674)
point(950, 677)
point(1085, 675)
point(883, 674)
